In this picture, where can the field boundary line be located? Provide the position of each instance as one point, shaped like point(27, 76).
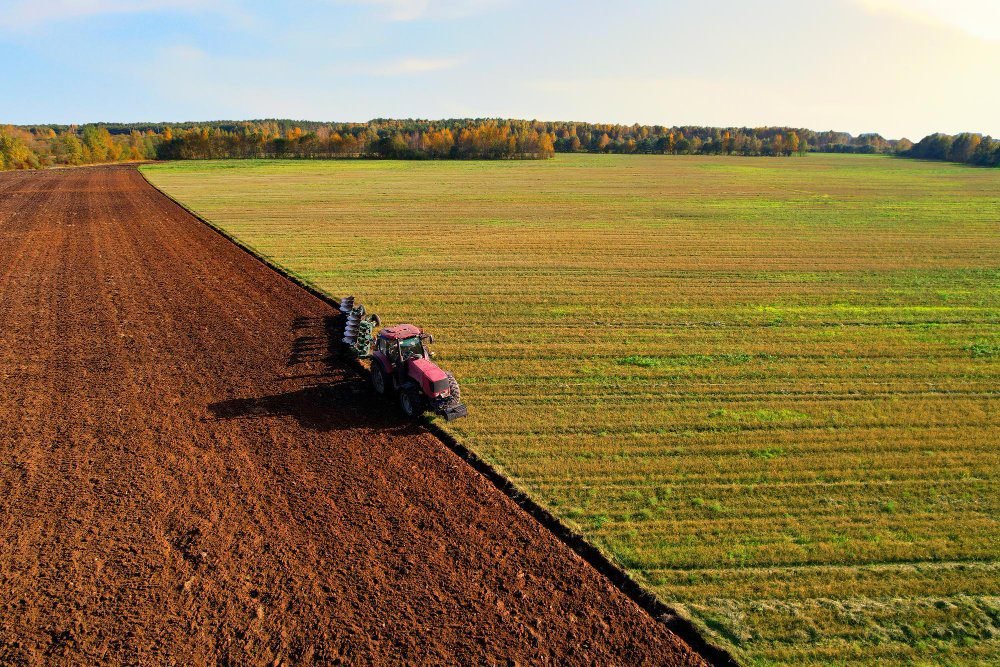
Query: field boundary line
point(682, 627)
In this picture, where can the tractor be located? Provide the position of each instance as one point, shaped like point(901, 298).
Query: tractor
point(401, 363)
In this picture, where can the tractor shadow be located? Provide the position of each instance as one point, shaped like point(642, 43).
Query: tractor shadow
point(331, 394)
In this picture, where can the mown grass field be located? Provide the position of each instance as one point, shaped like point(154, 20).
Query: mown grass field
point(768, 387)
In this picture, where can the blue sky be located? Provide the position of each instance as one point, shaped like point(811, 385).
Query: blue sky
point(899, 67)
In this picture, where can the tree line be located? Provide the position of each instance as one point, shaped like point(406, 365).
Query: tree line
point(491, 140)
point(37, 147)
point(40, 146)
point(966, 148)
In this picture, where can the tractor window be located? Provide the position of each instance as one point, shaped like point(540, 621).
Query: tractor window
point(411, 347)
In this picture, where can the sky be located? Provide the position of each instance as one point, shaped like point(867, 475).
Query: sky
point(897, 67)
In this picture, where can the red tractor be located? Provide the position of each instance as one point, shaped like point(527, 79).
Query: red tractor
point(402, 363)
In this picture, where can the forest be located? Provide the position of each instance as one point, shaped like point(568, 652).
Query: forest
point(30, 147)
point(966, 148)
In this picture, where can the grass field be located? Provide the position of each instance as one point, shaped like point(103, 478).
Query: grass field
point(768, 387)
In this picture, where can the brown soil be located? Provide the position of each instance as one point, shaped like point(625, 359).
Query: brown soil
point(188, 477)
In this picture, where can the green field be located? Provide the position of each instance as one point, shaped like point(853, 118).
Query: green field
point(770, 388)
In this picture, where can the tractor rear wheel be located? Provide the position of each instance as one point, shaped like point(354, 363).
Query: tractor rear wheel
point(380, 381)
point(412, 403)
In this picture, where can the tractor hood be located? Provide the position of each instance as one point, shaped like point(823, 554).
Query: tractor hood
point(427, 369)
point(431, 378)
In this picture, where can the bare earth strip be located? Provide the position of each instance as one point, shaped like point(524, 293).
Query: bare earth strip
point(187, 477)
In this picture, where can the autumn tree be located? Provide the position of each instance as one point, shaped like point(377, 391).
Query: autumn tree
point(14, 152)
point(777, 145)
point(963, 147)
point(793, 143)
point(97, 144)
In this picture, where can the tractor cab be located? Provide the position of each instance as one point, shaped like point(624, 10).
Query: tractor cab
point(402, 343)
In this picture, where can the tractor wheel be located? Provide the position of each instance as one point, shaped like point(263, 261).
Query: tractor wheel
point(456, 393)
point(380, 381)
point(412, 403)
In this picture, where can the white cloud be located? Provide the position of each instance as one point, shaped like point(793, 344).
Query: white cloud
point(27, 13)
point(183, 52)
point(255, 70)
point(412, 10)
point(416, 66)
point(30, 15)
point(979, 18)
point(205, 85)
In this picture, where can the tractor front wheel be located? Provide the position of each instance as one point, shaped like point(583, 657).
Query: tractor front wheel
point(456, 392)
point(411, 403)
point(380, 381)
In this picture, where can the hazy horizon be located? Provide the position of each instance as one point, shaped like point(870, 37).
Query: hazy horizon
point(388, 118)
